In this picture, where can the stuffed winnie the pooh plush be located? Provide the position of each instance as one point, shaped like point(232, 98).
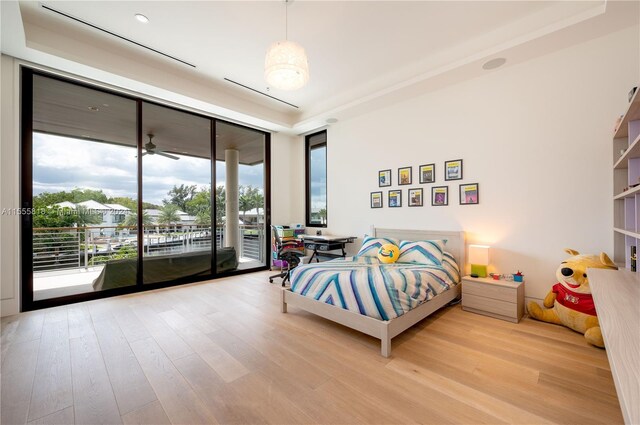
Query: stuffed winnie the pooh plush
point(569, 302)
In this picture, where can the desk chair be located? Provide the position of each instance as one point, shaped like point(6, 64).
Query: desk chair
point(285, 252)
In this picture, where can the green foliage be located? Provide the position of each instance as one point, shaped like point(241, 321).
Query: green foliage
point(181, 195)
point(220, 205)
point(132, 219)
point(125, 201)
point(53, 217)
point(169, 215)
point(83, 217)
point(201, 202)
point(249, 198)
point(125, 251)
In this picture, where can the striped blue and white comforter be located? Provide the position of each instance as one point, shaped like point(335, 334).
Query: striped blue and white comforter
point(366, 286)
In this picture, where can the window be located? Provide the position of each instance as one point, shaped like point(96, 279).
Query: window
point(316, 181)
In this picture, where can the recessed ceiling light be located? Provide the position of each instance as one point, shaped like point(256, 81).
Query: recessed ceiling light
point(494, 63)
point(140, 17)
point(93, 108)
point(332, 120)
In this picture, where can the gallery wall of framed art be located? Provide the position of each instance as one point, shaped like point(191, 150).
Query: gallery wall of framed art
point(468, 193)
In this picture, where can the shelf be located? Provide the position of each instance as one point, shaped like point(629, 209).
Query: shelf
point(632, 152)
point(628, 193)
point(633, 113)
point(627, 232)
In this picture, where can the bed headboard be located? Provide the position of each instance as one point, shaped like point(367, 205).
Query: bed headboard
point(456, 240)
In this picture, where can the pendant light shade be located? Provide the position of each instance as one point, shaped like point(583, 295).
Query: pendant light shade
point(286, 66)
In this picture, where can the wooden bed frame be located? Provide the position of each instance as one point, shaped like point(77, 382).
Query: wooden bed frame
point(387, 329)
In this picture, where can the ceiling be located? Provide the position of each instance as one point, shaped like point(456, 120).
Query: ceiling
point(360, 52)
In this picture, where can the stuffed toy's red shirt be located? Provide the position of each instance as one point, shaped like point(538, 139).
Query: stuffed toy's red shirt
point(574, 300)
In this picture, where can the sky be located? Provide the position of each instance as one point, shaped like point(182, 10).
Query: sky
point(319, 178)
point(62, 163)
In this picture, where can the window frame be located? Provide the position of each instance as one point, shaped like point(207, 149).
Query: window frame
point(307, 156)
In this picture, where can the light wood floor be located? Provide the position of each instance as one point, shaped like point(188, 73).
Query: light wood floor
point(221, 352)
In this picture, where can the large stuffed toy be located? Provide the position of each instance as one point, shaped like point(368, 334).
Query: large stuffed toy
point(569, 302)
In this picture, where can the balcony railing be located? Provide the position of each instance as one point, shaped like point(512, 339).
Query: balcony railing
point(83, 247)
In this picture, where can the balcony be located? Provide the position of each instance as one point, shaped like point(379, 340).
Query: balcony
point(66, 261)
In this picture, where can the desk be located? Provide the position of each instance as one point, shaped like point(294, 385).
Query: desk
point(321, 244)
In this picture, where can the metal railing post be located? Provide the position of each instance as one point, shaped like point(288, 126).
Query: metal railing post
point(86, 248)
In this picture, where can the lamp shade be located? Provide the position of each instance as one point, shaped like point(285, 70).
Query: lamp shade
point(479, 255)
point(286, 66)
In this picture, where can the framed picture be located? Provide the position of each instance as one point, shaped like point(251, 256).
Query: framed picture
point(469, 194)
point(415, 197)
point(440, 196)
point(395, 198)
point(404, 175)
point(453, 170)
point(376, 199)
point(384, 178)
point(427, 173)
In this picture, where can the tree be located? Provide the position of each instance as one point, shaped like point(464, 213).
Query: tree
point(181, 195)
point(125, 201)
point(200, 202)
point(81, 195)
point(220, 205)
point(83, 216)
point(203, 218)
point(169, 215)
point(132, 219)
point(53, 216)
point(250, 197)
point(323, 215)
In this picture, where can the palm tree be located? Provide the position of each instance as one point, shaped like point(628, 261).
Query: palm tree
point(169, 215)
point(84, 216)
point(132, 219)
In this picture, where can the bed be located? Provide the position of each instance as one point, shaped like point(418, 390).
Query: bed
point(379, 316)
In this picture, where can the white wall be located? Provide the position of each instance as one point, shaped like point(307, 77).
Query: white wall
point(537, 138)
point(9, 187)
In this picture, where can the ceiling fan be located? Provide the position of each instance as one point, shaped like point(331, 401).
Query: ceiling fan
point(150, 148)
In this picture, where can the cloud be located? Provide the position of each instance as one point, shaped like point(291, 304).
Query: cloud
point(61, 163)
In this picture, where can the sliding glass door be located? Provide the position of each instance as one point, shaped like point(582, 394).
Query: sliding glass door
point(127, 195)
point(240, 198)
point(176, 194)
point(83, 188)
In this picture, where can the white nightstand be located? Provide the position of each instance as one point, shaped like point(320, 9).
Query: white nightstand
point(496, 298)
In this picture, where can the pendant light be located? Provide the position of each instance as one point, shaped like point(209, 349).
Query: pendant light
point(286, 66)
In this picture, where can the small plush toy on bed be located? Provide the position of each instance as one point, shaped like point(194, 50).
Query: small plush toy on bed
point(569, 302)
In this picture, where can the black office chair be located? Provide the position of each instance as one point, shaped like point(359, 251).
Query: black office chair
point(285, 252)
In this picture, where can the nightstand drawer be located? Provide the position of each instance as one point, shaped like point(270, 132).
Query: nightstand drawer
point(478, 303)
point(489, 291)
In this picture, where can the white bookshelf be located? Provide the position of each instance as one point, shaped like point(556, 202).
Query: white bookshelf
point(626, 185)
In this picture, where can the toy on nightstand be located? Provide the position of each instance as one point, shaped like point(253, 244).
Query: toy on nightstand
point(569, 302)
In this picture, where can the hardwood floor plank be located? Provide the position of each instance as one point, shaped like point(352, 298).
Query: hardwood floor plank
point(178, 400)
point(131, 326)
point(16, 382)
point(223, 402)
point(80, 321)
point(30, 327)
point(52, 390)
point(173, 346)
point(470, 396)
point(130, 385)
point(151, 414)
point(61, 417)
point(227, 367)
point(94, 402)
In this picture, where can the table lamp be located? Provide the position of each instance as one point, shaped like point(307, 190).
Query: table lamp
point(479, 259)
